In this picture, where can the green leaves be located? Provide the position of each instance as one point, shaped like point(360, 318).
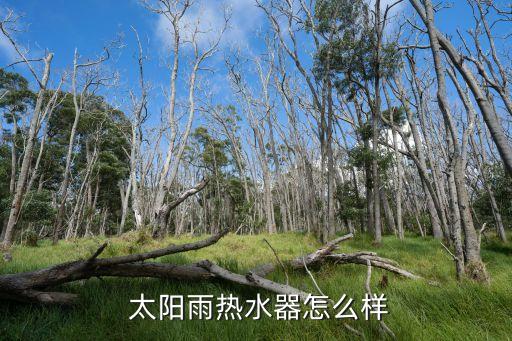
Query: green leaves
point(18, 97)
point(394, 114)
point(37, 207)
point(501, 185)
point(361, 156)
point(212, 151)
point(352, 206)
point(348, 54)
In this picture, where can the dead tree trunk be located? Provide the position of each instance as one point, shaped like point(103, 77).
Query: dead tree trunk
point(489, 114)
point(27, 157)
point(473, 261)
point(79, 100)
point(388, 213)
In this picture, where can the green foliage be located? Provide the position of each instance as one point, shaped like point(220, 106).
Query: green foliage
point(16, 100)
point(360, 156)
point(501, 185)
point(351, 205)
point(411, 220)
point(101, 130)
point(17, 96)
point(29, 238)
point(394, 114)
point(52, 165)
point(330, 14)
point(365, 130)
point(59, 125)
point(213, 155)
point(38, 208)
point(5, 172)
point(226, 189)
point(349, 54)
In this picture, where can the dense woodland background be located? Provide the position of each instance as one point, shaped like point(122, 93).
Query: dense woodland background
point(357, 118)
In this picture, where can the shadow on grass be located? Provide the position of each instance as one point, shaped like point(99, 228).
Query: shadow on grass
point(499, 248)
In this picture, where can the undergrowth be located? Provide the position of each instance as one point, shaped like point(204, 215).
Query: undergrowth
point(417, 310)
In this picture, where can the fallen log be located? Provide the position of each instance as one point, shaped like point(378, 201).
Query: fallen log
point(252, 279)
point(319, 255)
point(27, 286)
point(34, 286)
point(41, 297)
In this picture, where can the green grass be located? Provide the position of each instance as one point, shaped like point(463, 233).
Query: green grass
point(418, 311)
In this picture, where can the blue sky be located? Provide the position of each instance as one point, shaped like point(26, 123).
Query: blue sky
point(63, 25)
point(88, 25)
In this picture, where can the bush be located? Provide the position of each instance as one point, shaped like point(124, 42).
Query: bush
point(29, 238)
point(144, 236)
point(139, 237)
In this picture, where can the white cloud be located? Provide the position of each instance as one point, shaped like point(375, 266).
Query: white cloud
point(209, 15)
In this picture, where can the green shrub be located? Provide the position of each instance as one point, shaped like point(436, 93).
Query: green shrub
point(144, 236)
point(29, 238)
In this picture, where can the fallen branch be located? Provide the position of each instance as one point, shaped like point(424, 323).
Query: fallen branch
point(319, 255)
point(46, 298)
point(313, 278)
point(279, 261)
point(379, 262)
point(25, 286)
point(33, 286)
point(383, 325)
point(325, 253)
point(310, 260)
point(251, 279)
point(163, 252)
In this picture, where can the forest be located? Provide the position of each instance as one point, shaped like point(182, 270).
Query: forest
point(358, 147)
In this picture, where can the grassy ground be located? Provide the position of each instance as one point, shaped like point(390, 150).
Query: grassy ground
point(418, 311)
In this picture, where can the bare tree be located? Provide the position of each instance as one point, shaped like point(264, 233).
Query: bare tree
point(6, 27)
point(174, 11)
point(92, 80)
point(473, 261)
point(486, 108)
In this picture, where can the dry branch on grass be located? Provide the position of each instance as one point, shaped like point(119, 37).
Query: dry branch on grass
point(310, 260)
point(364, 257)
point(26, 286)
point(382, 324)
point(34, 286)
point(324, 254)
